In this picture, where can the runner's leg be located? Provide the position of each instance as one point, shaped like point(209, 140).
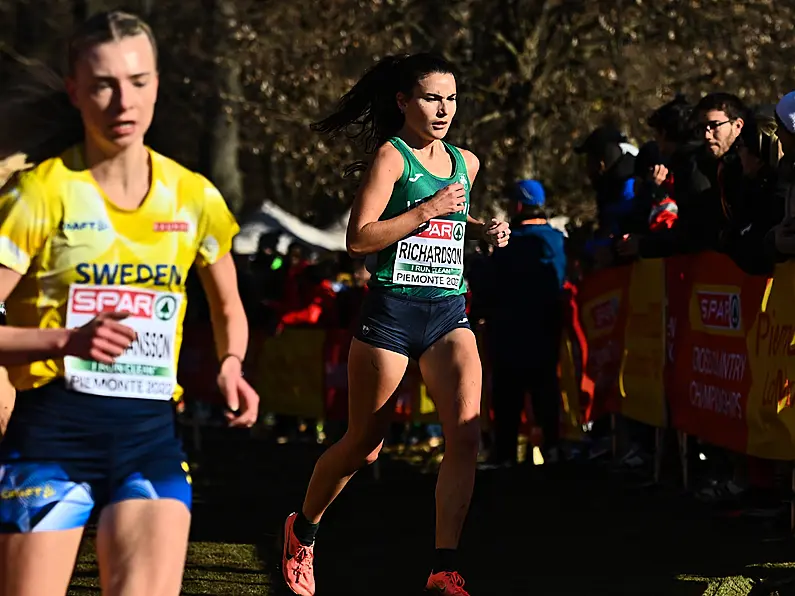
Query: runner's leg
point(374, 374)
point(452, 372)
point(38, 563)
point(141, 547)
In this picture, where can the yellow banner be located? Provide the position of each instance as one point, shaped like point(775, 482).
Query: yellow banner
point(570, 409)
point(771, 355)
point(290, 379)
point(641, 381)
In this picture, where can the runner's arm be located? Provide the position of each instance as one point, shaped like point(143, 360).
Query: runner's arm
point(23, 345)
point(475, 228)
point(366, 234)
point(230, 326)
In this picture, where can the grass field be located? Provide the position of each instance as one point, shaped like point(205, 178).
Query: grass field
point(576, 530)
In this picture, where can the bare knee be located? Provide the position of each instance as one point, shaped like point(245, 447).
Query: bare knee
point(363, 451)
point(463, 437)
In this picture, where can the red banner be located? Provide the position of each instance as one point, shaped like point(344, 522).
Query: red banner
point(714, 305)
point(603, 312)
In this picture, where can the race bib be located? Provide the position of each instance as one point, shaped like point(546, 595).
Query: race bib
point(147, 370)
point(433, 257)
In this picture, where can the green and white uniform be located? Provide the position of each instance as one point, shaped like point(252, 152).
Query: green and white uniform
point(429, 263)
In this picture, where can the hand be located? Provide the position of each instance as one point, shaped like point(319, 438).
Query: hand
point(102, 339)
point(658, 174)
point(242, 401)
point(628, 246)
point(497, 233)
point(449, 200)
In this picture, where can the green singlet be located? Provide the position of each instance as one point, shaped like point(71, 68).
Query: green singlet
point(429, 263)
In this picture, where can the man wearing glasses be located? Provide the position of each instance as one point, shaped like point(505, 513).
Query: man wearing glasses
point(717, 186)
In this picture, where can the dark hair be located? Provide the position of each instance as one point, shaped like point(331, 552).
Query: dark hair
point(732, 105)
point(38, 117)
point(673, 119)
point(648, 156)
point(369, 111)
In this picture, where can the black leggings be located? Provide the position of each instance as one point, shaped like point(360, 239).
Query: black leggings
point(510, 383)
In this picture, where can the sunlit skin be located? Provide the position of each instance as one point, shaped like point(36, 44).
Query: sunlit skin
point(723, 133)
point(430, 109)
point(114, 85)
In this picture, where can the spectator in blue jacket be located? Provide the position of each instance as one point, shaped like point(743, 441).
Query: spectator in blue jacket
point(525, 324)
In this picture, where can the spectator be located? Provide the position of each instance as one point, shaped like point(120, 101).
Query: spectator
point(350, 299)
point(320, 306)
point(478, 272)
point(745, 237)
point(611, 172)
point(719, 187)
point(525, 324)
point(783, 234)
point(654, 189)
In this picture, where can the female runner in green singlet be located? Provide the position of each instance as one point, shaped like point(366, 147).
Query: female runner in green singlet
point(409, 220)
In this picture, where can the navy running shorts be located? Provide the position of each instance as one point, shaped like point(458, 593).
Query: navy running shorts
point(67, 454)
point(409, 325)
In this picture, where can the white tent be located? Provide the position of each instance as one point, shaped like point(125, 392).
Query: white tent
point(271, 218)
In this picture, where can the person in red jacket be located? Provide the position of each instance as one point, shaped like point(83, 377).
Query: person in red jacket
point(320, 304)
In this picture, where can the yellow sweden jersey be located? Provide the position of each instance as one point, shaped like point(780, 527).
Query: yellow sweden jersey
point(79, 255)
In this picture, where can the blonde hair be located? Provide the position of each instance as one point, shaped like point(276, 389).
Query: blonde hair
point(769, 144)
point(38, 119)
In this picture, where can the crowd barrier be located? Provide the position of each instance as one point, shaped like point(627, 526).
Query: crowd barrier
point(689, 342)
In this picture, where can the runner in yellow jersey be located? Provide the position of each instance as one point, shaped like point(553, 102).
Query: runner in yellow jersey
point(95, 246)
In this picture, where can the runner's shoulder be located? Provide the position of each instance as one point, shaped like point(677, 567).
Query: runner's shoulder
point(387, 158)
point(40, 183)
point(471, 160)
point(178, 177)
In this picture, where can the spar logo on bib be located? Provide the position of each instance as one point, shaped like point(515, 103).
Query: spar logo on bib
point(165, 307)
point(93, 301)
point(442, 229)
point(719, 311)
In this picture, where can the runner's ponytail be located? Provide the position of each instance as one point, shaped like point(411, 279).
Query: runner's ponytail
point(369, 112)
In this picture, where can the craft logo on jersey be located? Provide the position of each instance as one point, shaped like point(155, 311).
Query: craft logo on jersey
point(442, 229)
point(719, 310)
point(171, 226)
point(139, 303)
point(79, 226)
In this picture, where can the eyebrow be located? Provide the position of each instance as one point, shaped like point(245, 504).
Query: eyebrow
point(437, 95)
point(108, 78)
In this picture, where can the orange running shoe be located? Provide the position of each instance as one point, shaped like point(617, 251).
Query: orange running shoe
point(446, 583)
point(297, 562)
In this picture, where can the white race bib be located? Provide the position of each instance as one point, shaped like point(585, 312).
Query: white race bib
point(147, 369)
point(434, 257)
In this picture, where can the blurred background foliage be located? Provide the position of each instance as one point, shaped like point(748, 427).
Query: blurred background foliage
point(242, 79)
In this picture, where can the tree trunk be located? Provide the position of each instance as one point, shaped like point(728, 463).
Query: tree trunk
point(223, 134)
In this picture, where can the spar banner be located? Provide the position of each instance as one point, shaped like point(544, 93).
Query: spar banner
point(771, 354)
point(641, 381)
point(714, 306)
point(603, 299)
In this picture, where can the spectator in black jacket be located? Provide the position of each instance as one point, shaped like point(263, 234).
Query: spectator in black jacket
point(783, 234)
point(722, 189)
point(612, 175)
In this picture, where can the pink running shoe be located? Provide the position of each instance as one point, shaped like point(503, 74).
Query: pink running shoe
point(446, 583)
point(297, 562)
